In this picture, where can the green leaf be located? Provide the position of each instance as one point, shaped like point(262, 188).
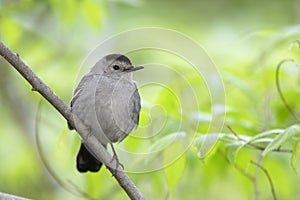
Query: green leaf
point(93, 13)
point(261, 137)
point(166, 141)
point(281, 138)
point(206, 143)
point(170, 102)
point(12, 31)
point(295, 155)
point(66, 11)
point(175, 162)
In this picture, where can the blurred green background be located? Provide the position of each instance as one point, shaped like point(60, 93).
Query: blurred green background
point(245, 40)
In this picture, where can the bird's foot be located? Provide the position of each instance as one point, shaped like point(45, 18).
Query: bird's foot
point(116, 159)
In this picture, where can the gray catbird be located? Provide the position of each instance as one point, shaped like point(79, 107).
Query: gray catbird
point(108, 103)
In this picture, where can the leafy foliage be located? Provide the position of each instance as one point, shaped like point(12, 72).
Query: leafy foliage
point(171, 155)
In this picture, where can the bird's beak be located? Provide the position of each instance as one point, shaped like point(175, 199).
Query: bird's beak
point(134, 68)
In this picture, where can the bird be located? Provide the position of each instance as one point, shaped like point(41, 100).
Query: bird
point(107, 101)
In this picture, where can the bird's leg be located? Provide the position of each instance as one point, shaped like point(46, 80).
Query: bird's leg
point(115, 157)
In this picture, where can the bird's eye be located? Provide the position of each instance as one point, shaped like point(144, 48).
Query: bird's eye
point(116, 67)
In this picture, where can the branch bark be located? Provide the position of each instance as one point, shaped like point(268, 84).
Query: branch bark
point(4, 196)
point(94, 145)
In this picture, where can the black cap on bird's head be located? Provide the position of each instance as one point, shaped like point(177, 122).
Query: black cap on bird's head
point(117, 57)
point(114, 64)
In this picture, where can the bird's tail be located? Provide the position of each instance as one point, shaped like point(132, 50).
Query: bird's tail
point(86, 161)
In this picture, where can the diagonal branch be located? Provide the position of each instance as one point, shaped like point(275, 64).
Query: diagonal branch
point(6, 196)
point(95, 146)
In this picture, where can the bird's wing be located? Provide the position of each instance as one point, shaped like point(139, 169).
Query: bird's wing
point(136, 107)
point(80, 87)
point(78, 91)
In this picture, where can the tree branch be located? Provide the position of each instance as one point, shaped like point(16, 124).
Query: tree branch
point(4, 196)
point(93, 144)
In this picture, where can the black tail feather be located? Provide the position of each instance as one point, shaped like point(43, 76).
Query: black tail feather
point(86, 161)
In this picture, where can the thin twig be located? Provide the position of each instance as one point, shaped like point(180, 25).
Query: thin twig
point(236, 166)
point(242, 139)
point(252, 178)
point(268, 177)
point(94, 145)
point(293, 113)
point(257, 146)
point(256, 175)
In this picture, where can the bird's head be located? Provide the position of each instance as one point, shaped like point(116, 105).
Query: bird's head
point(115, 66)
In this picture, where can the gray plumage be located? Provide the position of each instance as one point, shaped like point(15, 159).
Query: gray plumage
point(108, 103)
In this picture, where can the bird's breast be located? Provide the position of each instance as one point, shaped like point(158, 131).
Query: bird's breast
point(114, 108)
